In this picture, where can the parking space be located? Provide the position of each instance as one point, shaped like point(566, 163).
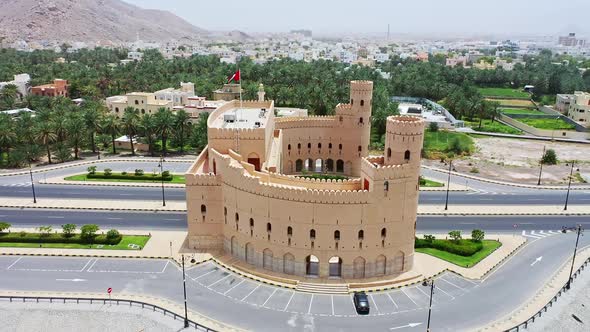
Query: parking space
point(403, 301)
point(49, 264)
point(280, 299)
point(260, 295)
point(383, 303)
point(343, 305)
point(6, 261)
point(128, 266)
point(321, 305)
point(300, 302)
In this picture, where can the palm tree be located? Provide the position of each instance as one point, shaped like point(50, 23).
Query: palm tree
point(92, 119)
point(147, 129)
point(110, 126)
point(164, 125)
point(45, 134)
point(75, 127)
point(8, 96)
point(8, 135)
point(130, 122)
point(182, 127)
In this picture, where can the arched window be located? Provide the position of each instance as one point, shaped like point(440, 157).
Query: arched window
point(116, 109)
point(142, 111)
point(337, 235)
point(383, 232)
point(407, 155)
point(224, 211)
point(309, 145)
point(312, 234)
point(319, 145)
point(352, 102)
point(268, 227)
point(299, 145)
point(136, 102)
point(289, 147)
point(360, 148)
point(329, 145)
point(237, 217)
point(341, 118)
point(339, 146)
point(251, 222)
point(203, 208)
point(362, 102)
point(289, 231)
point(361, 234)
point(388, 152)
point(361, 120)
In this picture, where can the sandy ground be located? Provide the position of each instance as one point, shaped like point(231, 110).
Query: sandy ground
point(57, 317)
point(517, 160)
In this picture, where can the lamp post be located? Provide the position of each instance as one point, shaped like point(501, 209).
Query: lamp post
point(541, 170)
point(448, 184)
point(161, 165)
point(184, 287)
point(32, 183)
point(569, 281)
point(569, 184)
point(431, 284)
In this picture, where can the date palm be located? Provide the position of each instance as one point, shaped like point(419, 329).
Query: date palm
point(92, 119)
point(148, 129)
point(45, 135)
point(164, 126)
point(130, 123)
point(8, 96)
point(181, 127)
point(111, 126)
point(76, 129)
point(8, 137)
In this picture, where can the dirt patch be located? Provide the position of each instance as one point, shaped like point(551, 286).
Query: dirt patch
point(517, 160)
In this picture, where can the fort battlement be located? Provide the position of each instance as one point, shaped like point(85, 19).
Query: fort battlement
point(365, 86)
point(305, 122)
point(405, 125)
point(231, 133)
point(375, 169)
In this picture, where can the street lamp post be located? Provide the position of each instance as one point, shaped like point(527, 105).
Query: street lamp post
point(569, 184)
point(32, 183)
point(184, 287)
point(569, 281)
point(541, 170)
point(161, 165)
point(448, 184)
point(431, 283)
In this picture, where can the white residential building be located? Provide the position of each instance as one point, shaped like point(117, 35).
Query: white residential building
point(22, 82)
point(178, 97)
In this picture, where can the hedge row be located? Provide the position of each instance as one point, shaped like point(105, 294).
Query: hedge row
point(129, 177)
point(461, 248)
point(19, 237)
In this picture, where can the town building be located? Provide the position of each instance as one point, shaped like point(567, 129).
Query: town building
point(178, 97)
point(248, 195)
point(456, 61)
point(571, 41)
point(59, 87)
point(230, 91)
point(143, 102)
point(22, 83)
point(562, 103)
point(579, 109)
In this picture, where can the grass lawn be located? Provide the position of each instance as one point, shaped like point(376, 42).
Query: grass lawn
point(508, 103)
point(503, 92)
point(128, 242)
point(464, 261)
point(437, 144)
point(549, 124)
point(492, 127)
point(430, 183)
point(521, 111)
point(83, 177)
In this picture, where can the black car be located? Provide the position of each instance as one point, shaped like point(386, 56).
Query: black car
point(361, 302)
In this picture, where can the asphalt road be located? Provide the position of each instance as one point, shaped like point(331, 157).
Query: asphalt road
point(459, 304)
point(177, 221)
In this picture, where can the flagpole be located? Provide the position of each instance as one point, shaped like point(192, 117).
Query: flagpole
point(240, 88)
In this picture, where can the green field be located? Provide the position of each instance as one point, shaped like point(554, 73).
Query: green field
point(503, 92)
point(464, 261)
point(439, 144)
point(521, 111)
point(548, 124)
point(137, 242)
point(427, 183)
point(492, 127)
point(83, 177)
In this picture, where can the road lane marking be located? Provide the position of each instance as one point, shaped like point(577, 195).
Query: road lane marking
point(391, 298)
point(310, 302)
point(91, 266)
point(165, 266)
point(234, 286)
point(273, 293)
point(375, 304)
point(219, 280)
point(55, 217)
point(450, 283)
point(287, 305)
point(16, 261)
point(409, 297)
point(115, 218)
point(86, 265)
point(451, 296)
point(173, 219)
point(250, 293)
point(332, 297)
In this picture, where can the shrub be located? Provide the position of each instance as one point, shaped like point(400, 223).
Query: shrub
point(422, 180)
point(139, 172)
point(128, 177)
point(474, 170)
point(91, 170)
point(429, 238)
point(113, 234)
point(24, 237)
point(68, 229)
point(166, 174)
point(433, 127)
point(461, 247)
point(549, 157)
point(457, 146)
point(45, 230)
point(123, 173)
point(4, 226)
point(22, 233)
point(477, 235)
point(455, 235)
point(88, 232)
point(108, 172)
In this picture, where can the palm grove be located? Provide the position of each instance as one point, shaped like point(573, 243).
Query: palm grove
point(60, 130)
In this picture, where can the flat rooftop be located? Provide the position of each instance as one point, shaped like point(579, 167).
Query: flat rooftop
point(242, 118)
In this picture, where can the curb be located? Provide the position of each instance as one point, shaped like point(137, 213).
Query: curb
point(251, 277)
point(22, 207)
point(111, 184)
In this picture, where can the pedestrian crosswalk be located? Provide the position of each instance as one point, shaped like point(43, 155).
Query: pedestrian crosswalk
point(485, 192)
point(539, 234)
point(24, 184)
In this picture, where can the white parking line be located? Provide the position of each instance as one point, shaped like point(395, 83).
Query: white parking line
point(91, 266)
point(204, 274)
point(391, 298)
point(250, 293)
point(219, 280)
point(310, 302)
point(86, 265)
point(423, 292)
point(273, 293)
point(374, 303)
point(165, 266)
point(451, 296)
point(287, 305)
point(16, 261)
point(409, 297)
point(234, 286)
point(332, 297)
point(450, 283)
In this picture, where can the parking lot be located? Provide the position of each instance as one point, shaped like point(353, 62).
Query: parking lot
point(209, 275)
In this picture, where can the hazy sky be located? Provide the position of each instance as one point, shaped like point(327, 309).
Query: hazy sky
point(426, 17)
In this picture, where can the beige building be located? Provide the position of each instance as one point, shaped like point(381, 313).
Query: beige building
point(246, 196)
point(579, 108)
point(143, 102)
point(228, 92)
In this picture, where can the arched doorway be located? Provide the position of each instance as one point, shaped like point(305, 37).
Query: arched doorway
point(318, 166)
point(298, 165)
point(358, 270)
point(254, 159)
point(234, 246)
point(309, 165)
point(267, 259)
point(330, 165)
point(380, 265)
point(398, 262)
point(340, 166)
point(312, 266)
point(335, 266)
point(250, 254)
point(289, 264)
point(289, 167)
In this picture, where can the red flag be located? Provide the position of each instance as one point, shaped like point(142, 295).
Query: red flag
point(235, 77)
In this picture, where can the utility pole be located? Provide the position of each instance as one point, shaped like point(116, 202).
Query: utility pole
point(426, 283)
point(448, 184)
point(541, 170)
point(32, 183)
point(161, 165)
point(569, 281)
point(569, 184)
point(184, 286)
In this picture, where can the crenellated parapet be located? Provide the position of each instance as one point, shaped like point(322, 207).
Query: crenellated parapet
point(305, 122)
point(406, 125)
point(231, 133)
point(374, 168)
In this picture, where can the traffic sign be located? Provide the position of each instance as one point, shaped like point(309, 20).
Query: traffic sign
point(109, 290)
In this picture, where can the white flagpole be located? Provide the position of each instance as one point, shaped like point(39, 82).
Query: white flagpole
point(240, 88)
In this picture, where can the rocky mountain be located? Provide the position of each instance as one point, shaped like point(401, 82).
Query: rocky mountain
point(89, 20)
